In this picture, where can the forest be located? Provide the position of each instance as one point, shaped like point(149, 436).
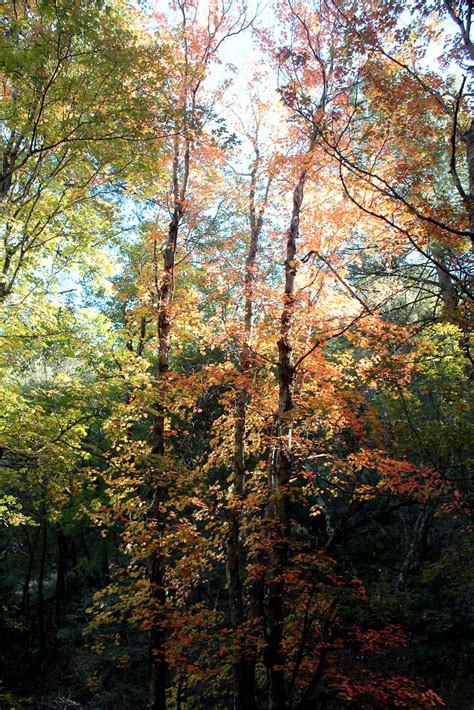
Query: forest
point(236, 244)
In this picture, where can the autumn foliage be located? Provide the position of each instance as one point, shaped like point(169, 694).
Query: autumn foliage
point(235, 303)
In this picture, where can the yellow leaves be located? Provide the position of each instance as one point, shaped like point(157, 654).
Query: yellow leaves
point(11, 513)
point(122, 660)
point(93, 682)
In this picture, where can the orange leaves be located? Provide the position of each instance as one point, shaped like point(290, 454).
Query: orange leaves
point(379, 692)
point(403, 478)
point(377, 640)
point(393, 476)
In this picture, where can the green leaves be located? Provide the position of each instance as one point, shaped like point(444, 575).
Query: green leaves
point(74, 119)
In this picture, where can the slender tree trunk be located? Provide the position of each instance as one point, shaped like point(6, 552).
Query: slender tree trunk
point(279, 472)
point(61, 574)
point(417, 546)
point(446, 286)
point(9, 159)
point(190, 125)
point(104, 563)
point(245, 656)
point(73, 554)
point(158, 660)
point(25, 597)
point(44, 543)
point(469, 142)
point(85, 546)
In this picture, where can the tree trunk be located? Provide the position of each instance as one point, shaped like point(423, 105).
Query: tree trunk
point(469, 142)
point(25, 597)
point(446, 286)
point(279, 472)
point(414, 556)
point(61, 574)
point(158, 661)
point(44, 542)
point(245, 655)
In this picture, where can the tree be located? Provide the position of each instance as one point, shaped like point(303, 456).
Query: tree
point(66, 138)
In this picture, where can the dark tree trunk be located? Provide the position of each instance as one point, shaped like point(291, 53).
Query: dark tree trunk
point(279, 473)
point(104, 563)
point(469, 142)
point(73, 554)
point(446, 286)
point(417, 548)
point(61, 574)
point(42, 566)
point(159, 664)
point(157, 652)
point(25, 598)
point(245, 654)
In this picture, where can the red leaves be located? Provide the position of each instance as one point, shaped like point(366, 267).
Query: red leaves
point(381, 692)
